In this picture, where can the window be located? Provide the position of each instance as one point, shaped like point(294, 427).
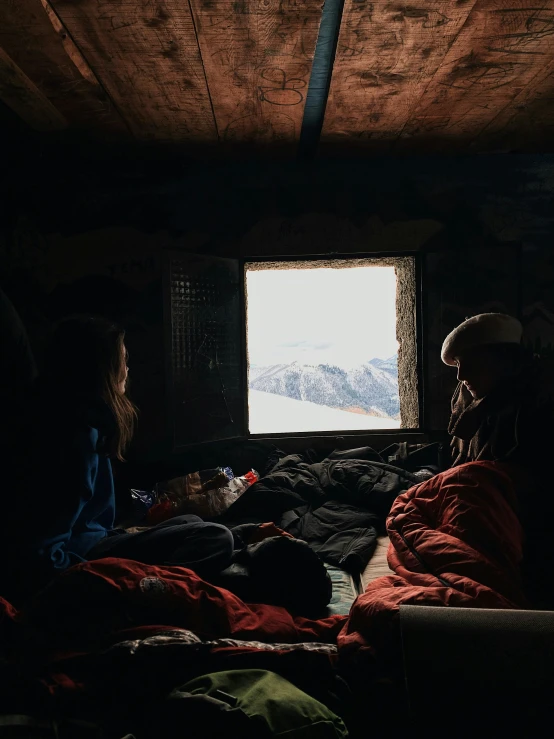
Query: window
point(323, 349)
point(330, 346)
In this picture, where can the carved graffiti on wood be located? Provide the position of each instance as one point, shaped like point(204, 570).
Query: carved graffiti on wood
point(257, 57)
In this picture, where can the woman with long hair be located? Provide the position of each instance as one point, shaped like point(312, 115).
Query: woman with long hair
point(63, 511)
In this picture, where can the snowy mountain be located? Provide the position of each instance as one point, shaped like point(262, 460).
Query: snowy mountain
point(371, 388)
point(387, 365)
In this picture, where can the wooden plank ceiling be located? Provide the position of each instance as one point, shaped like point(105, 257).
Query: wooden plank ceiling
point(449, 75)
point(45, 53)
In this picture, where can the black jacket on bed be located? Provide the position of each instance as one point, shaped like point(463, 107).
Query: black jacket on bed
point(338, 506)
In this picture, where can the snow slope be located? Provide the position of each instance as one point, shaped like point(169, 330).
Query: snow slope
point(273, 414)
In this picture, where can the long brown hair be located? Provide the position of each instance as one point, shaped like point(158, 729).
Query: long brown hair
point(84, 362)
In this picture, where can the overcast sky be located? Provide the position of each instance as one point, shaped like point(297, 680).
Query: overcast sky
point(343, 317)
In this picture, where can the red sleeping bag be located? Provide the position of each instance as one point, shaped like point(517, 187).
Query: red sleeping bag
point(93, 600)
point(456, 541)
point(57, 644)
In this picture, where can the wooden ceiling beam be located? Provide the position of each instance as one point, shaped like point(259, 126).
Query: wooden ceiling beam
point(258, 60)
point(497, 58)
point(69, 45)
point(20, 94)
point(146, 56)
point(45, 52)
point(387, 54)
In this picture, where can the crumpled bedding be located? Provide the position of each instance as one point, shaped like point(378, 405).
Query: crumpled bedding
point(455, 540)
point(129, 681)
point(106, 596)
point(114, 630)
point(337, 506)
point(152, 663)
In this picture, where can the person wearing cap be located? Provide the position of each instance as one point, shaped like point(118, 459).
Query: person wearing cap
point(502, 411)
point(497, 406)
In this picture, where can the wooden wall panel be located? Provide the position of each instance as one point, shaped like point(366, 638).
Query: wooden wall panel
point(258, 58)
point(500, 54)
point(50, 59)
point(146, 55)
point(537, 274)
point(387, 55)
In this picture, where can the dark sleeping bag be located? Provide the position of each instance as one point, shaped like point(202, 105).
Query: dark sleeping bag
point(338, 506)
point(340, 533)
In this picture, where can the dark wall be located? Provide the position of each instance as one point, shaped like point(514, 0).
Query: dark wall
point(88, 235)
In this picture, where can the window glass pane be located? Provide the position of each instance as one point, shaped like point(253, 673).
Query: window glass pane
point(322, 347)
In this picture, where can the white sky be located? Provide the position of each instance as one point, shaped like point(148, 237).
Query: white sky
point(343, 317)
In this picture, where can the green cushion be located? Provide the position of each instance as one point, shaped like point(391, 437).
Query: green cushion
point(286, 710)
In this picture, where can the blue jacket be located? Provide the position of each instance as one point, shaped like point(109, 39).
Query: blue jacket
point(62, 499)
point(85, 510)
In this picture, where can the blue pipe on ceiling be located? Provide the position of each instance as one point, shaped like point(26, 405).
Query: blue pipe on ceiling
point(320, 79)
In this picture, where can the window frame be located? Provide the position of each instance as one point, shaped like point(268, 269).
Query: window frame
point(392, 433)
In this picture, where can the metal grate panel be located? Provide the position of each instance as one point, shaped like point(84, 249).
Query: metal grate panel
point(206, 349)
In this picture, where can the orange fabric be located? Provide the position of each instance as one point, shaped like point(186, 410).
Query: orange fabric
point(97, 598)
point(455, 541)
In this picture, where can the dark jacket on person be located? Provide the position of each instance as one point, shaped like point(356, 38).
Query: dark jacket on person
point(510, 425)
point(515, 424)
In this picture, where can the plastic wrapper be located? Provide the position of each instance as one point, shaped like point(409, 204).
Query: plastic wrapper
point(207, 494)
point(141, 501)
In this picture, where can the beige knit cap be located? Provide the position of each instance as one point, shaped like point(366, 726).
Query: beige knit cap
point(486, 328)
